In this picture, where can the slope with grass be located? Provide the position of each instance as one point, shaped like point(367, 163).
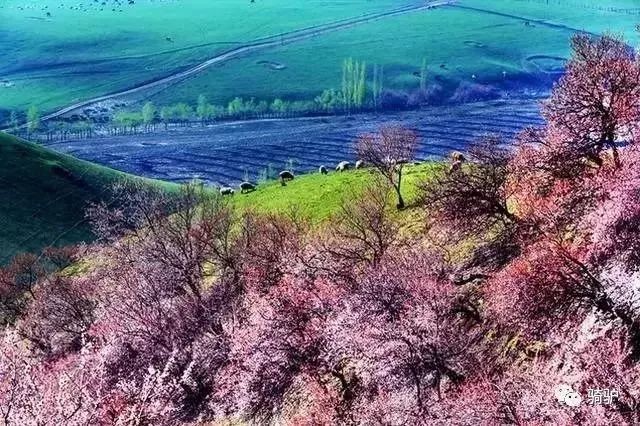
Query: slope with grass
point(318, 197)
point(43, 196)
point(58, 55)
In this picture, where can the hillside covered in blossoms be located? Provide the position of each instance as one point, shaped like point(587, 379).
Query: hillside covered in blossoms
point(513, 271)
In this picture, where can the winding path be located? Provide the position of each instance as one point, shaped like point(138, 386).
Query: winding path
point(261, 43)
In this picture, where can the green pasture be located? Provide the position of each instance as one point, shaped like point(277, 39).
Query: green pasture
point(599, 16)
point(84, 49)
point(458, 43)
point(43, 196)
point(317, 197)
point(79, 52)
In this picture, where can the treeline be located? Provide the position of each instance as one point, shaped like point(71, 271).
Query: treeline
point(362, 89)
point(32, 121)
point(356, 94)
point(359, 91)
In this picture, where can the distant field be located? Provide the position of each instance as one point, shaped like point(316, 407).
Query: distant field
point(43, 196)
point(84, 49)
point(79, 52)
point(504, 42)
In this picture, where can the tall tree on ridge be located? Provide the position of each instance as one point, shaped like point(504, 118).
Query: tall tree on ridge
point(423, 75)
point(388, 151)
point(377, 84)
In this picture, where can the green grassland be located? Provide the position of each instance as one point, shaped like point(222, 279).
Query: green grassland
point(84, 49)
point(317, 197)
point(43, 196)
point(80, 52)
point(526, 40)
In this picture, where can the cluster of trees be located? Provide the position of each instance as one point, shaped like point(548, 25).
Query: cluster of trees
point(524, 276)
point(357, 93)
point(377, 85)
point(183, 114)
point(59, 130)
point(81, 129)
point(354, 84)
point(149, 116)
point(355, 87)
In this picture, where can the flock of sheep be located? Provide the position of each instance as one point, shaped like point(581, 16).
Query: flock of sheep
point(287, 175)
point(95, 5)
point(456, 159)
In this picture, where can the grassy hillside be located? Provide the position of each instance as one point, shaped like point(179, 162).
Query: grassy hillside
point(43, 195)
point(317, 196)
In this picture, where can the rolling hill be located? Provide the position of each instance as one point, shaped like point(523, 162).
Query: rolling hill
point(58, 53)
point(43, 195)
point(503, 43)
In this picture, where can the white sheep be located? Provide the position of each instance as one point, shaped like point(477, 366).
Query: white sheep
point(342, 166)
point(227, 191)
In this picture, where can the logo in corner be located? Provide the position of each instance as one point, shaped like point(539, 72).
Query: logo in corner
point(566, 395)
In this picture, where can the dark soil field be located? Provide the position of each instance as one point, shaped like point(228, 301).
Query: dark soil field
point(223, 153)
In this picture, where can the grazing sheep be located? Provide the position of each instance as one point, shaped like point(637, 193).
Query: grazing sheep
point(323, 170)
point(227, 191)
point(247, 187)
point(342, 166)
point(359, 164)
point(457, 156)
point(286, 175)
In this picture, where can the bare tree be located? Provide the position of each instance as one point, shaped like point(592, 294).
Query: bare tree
point(180, 231)
point(59, 316)
point(365, 228)
point(472, 198)
point(388, 151)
